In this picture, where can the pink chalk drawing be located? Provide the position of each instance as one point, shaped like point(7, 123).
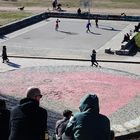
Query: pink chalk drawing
point(114, 91)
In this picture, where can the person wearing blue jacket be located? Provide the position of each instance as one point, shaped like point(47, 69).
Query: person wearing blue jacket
point(89, 124)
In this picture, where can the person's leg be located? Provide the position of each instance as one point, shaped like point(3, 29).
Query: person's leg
point(93, 63)
point(7, 60)
point(96, 62)
point(2, 59)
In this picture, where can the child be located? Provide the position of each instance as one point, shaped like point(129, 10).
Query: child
point(57, 24)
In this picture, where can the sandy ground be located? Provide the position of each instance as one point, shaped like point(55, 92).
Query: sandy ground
point(94, 10)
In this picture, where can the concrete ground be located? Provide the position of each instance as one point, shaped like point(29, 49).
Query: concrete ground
point(63, 82)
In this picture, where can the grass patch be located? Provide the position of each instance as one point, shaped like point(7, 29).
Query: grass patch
point(7, 17)
point(135, 4)
point(137, 40)
point(75, 3)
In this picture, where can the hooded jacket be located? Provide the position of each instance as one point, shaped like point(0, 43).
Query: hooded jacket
point(28, 121)
point(89, 124)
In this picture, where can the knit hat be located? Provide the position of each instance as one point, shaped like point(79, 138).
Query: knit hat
point(32, 92)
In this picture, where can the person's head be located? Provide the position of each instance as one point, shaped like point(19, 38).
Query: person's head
point(89, 101)
point(67, 113)
point(93, 51)
point(4, 47)
point(34, 93)
point(2, 104)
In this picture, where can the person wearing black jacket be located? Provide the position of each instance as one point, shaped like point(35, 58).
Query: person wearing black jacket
point(93, 59)
point(28, 120)
point(4, 55)
point(4, 120)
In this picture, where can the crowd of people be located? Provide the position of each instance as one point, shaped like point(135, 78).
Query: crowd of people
point(28, 120)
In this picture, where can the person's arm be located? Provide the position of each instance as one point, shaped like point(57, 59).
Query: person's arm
point(44, 134)
point(70, 127)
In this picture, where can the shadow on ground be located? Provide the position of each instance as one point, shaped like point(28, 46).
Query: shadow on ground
point(13, 65)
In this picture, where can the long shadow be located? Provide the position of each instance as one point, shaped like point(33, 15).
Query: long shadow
point(13, 65)
point(70, 33)
point(61, 10)
point(107, 28)
point(95, 33)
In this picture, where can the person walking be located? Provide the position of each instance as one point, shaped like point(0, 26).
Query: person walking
point(61, 124)
point(4, 120)
point(28, 120)
point(4, 55)
point(88, 27)
point(89, 124)
point(93, 58)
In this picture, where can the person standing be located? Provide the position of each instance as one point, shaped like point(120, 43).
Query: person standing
point(88, 26)
point(28, 120)
point(96, 22)
point(89, 124)
point(4, 55)
point(54, 4)
point(57, 24)
point(93, 58)
point(79, 11)
point(4, 120)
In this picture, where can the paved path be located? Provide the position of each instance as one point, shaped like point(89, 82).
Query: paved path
point(63, 83)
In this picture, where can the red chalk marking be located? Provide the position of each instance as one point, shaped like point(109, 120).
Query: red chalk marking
point(114, 91)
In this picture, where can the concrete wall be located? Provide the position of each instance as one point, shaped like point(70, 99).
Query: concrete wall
point(37, 18)
point(93, 16)
point(6, 29)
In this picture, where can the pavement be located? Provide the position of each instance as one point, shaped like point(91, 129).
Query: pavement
point(28, 45)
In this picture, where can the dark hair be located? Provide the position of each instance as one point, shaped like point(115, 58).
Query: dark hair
point(93, 51)
point(2, 104)
point(67, 113)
